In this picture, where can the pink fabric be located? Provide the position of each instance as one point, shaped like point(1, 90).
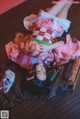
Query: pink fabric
point(46, 29)
point(49, 23)
point(63, 54)
point(28, 61)
point(22, 59)
point(32, 48)
point(12, 50)
point(44, 55)
point(70, 50)
point(15, 55)
point(44, 23)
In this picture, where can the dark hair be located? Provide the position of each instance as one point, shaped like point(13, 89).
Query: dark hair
point(49, 71)
point(36, 81)
point(37, 87)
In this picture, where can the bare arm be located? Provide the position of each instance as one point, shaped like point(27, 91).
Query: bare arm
point(56, 45)
point(51, 47)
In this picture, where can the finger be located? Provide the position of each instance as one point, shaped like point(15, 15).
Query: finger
point(42, 45)
point(41, 50)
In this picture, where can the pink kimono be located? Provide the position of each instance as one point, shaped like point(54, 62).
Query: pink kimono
point(68, 51)
point(25, 61)
point(45, 29)
point(61, 55)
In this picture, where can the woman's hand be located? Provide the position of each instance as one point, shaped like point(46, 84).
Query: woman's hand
point(43, 48)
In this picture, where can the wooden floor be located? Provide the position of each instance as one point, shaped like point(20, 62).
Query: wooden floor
point(64, 106)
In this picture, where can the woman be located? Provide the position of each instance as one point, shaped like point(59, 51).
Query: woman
point(45, 27)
